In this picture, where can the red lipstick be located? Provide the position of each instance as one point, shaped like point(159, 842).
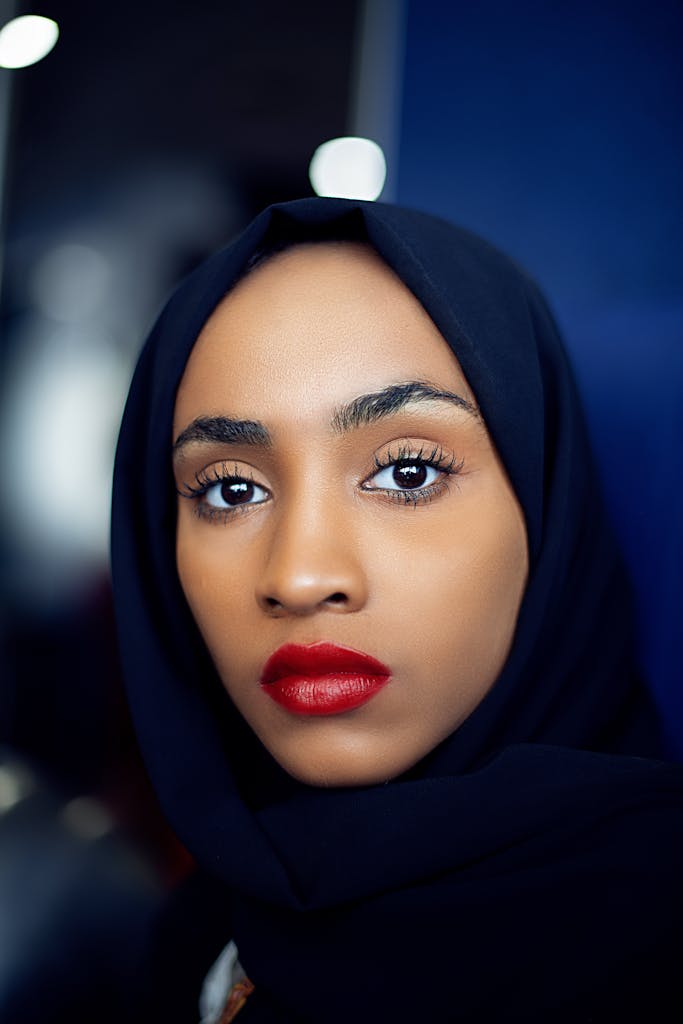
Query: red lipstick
point(322, 678)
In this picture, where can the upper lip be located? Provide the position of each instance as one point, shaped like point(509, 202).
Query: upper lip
point(319, 659)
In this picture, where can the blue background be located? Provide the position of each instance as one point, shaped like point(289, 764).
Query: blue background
point(554, 130)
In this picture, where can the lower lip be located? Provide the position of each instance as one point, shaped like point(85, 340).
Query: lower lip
point(329, 694)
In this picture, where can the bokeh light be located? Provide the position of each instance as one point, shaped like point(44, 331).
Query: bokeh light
point(26, 40)
point(348, 168)
point(70, 282)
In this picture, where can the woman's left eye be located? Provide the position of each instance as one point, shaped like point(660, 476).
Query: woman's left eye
point(232, 492)
point(404, 475)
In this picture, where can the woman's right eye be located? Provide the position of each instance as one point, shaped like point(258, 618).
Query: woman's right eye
point(232, 492)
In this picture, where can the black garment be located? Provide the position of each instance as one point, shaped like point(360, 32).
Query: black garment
point(529, 868)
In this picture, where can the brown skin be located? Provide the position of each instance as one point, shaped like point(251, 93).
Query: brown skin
point(327, 548)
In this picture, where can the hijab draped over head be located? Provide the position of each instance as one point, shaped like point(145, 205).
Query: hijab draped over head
point(528, 867)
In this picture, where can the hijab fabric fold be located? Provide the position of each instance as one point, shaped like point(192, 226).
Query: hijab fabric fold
point(527, 869)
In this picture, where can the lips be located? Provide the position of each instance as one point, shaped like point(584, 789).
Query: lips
point(322, 678)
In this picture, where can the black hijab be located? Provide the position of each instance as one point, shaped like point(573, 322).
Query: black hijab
point(528, 868)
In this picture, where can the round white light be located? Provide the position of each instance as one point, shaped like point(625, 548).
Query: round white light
point(348, 168)
point(26, 40)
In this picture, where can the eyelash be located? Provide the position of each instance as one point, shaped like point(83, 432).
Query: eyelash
point(436, 459)
point(208, 478)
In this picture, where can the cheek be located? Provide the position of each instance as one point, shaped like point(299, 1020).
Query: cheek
point(456, 591)
point(215, 579)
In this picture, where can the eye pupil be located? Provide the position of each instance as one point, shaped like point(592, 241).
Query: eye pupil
point(409, 474)
point(237, 492)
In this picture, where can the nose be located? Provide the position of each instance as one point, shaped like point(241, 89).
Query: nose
point(312, 564)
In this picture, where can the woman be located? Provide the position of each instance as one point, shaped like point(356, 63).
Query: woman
point(376, 636)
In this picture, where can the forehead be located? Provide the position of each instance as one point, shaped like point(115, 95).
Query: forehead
point(309, 329)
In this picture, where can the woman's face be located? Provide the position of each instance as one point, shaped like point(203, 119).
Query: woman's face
point(337, 486)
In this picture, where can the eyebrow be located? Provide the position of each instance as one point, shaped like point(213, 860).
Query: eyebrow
point(223, 430)
point(360, 411)
point(390, 400)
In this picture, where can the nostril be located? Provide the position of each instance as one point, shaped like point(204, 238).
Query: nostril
point(304, 603)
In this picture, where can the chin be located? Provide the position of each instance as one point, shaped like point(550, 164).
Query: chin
point(332, 768)
point(335, 778)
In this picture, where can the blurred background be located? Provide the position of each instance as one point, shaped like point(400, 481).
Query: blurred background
point(147, 137)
